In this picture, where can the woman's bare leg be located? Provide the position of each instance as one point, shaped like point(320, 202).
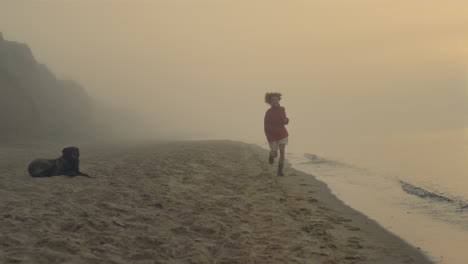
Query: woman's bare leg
point(271, 158)
point(281, 159)
point(282, 147)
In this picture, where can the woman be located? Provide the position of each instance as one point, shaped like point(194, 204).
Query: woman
point(275, 130)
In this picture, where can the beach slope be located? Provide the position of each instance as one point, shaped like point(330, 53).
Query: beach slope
point(181, 202)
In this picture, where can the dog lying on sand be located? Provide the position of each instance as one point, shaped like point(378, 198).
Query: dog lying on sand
point(68, 164)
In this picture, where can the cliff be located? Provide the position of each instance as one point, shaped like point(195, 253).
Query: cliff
point(34, 103)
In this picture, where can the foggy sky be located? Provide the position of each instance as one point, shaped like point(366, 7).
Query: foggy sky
point(200, 69)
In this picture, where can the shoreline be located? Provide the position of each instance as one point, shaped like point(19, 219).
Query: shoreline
point(187, 201)
point(380, 197)
point(302, 184)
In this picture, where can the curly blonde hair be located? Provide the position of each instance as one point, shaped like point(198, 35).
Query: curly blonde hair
point(268, 97)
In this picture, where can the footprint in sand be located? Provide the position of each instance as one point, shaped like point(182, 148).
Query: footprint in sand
point(10, 241)
point(355, 243)
point(203, 230)
point(59, 245)
point(180, 230)
point(355, 257)
point(352, 228)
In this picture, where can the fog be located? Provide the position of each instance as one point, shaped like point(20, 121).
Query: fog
point(200, 69)
point(378, 85)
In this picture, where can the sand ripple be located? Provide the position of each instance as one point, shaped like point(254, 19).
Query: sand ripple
point(183, 202)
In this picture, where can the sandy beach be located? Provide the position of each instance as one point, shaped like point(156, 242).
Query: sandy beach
point(181, 202)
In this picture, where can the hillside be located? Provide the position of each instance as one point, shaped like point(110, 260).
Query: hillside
point(34, 103)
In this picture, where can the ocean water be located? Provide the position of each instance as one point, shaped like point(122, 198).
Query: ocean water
point(413, 184)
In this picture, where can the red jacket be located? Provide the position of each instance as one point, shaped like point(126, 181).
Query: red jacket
point(274, 124)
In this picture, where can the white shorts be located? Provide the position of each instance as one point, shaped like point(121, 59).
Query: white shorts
point(275, 144)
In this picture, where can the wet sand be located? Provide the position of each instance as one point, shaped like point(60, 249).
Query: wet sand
point(181, 202)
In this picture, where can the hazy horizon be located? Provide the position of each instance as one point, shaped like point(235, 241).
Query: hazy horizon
point(200, 69)
point(380, 86)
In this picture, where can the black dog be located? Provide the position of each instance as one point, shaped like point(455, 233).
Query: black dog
point(68, 164)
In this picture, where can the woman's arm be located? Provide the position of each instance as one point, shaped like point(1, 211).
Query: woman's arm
point(275, 120)
point(285, 119)
point(267, 125)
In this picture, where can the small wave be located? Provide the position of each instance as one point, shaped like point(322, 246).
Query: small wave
point(411, 189)
point(455, 205)
point(414, 190)
point(314, 159)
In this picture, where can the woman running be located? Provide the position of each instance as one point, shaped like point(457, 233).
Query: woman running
point(275, 130)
